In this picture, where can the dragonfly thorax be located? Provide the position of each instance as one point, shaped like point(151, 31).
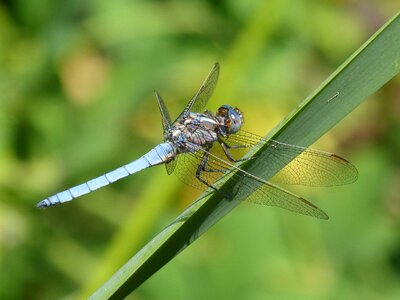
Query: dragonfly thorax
point(196, 129)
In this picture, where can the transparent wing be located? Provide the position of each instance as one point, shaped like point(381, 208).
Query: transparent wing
point(166, 122)
point(200, 99)
point(310, 167)
point(261, 192)
point(273, 195)
point(170, 166)
point(166, 119)
point(186, 168)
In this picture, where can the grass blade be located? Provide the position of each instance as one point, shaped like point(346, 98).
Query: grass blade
point(375, 63)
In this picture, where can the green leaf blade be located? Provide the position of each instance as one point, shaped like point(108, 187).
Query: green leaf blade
point(375, 63)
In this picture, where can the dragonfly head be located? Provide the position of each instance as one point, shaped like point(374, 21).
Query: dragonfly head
point(232, 118)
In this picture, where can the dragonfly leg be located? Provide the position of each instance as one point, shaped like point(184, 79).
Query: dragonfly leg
point(235, 146)
point(228, 154)
point(214, 170)
point(202, 168)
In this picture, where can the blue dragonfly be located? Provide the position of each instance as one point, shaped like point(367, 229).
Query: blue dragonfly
point(202, 148)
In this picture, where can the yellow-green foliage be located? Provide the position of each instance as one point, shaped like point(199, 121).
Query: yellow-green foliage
point(76, 100)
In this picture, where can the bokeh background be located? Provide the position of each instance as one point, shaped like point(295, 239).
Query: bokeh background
point(76, 100)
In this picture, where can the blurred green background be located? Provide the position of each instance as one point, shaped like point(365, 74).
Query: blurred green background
point(76, 100)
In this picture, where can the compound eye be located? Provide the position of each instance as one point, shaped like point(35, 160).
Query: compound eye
point(222, 111)
point(235, 122)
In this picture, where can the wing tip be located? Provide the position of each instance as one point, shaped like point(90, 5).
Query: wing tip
point(353, 175)
point(321, 214)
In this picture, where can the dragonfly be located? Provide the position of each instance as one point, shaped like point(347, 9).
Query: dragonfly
point(203, 149)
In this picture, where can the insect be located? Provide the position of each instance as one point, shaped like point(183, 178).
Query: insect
point(201, 148)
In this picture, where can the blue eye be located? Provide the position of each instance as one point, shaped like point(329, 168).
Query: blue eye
point(235, 120)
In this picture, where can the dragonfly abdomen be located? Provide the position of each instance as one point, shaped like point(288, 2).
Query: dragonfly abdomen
point(160, 154)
